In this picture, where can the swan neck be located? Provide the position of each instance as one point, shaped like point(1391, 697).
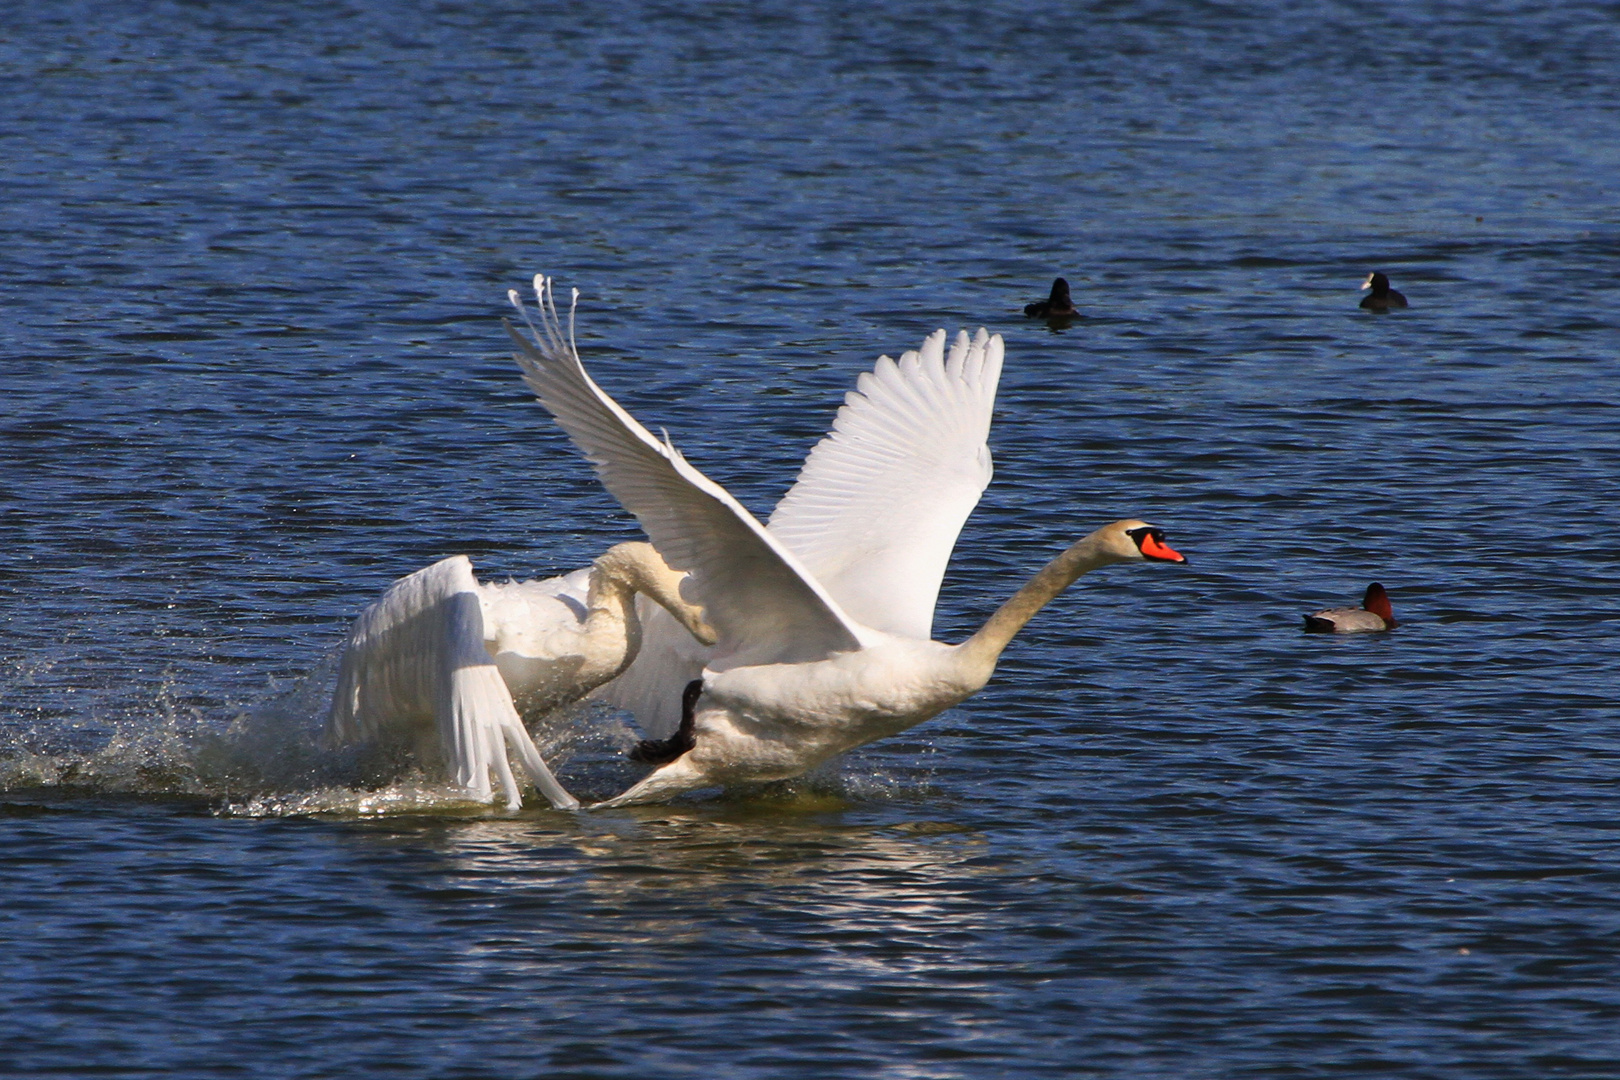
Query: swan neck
point(610, 608)
point(983, 649)
point(637, 567)
point(608, 598)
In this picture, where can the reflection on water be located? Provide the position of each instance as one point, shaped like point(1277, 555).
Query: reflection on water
point(664, 874)
point(765, 906)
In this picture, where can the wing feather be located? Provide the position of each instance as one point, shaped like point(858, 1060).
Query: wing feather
point(765, 607)
point(417, 654)
point(881, 500)
point(394, 652)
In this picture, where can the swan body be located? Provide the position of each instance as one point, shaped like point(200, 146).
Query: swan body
point(775, 721)
point(441, 652)
point(1374, 614)
point(796, 677)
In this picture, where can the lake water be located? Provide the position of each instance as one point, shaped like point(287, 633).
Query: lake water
point(254, 262)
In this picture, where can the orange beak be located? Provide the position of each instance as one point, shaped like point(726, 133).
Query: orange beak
point(1152, 549)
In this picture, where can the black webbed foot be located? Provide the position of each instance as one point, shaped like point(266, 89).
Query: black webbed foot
point(663, 751)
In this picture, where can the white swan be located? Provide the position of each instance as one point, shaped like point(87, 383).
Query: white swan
point(439, 651)
point(873, 516)
point(796, 678)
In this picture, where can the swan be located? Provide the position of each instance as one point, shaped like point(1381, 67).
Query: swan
point(824, 621)
point(408, 622)
point(1058, 305)
point(903, 467)
point(440, 651)
point(1375, 613)
point(1382, 297)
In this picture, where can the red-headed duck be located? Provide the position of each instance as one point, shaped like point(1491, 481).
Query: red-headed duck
point(1374, 613)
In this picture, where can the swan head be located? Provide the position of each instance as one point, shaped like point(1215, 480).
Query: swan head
point(1137, 541)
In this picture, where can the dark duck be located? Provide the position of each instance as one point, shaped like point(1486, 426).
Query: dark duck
point(1382, 297)
point(1056, 306)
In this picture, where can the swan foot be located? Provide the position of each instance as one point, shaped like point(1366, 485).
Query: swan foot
point(663, 751)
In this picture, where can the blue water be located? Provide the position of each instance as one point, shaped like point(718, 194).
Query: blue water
point(253, 267)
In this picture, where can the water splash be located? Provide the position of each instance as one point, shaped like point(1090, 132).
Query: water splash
point(268, 760)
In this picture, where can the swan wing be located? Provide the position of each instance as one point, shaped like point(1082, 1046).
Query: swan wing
point(877, 508)
point(765, 607)
point(418, 655)
point(478, 722)
point(388, 674)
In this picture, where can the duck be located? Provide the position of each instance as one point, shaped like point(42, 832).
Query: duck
point(1382, 297)
point(442, 657)
point(1374, 614)
point(823, 621)
point(1056, 306)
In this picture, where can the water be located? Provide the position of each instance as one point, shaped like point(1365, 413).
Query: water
point(253, 371)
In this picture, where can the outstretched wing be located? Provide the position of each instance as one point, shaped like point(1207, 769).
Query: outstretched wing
point(877, 508)
point(765, 607)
